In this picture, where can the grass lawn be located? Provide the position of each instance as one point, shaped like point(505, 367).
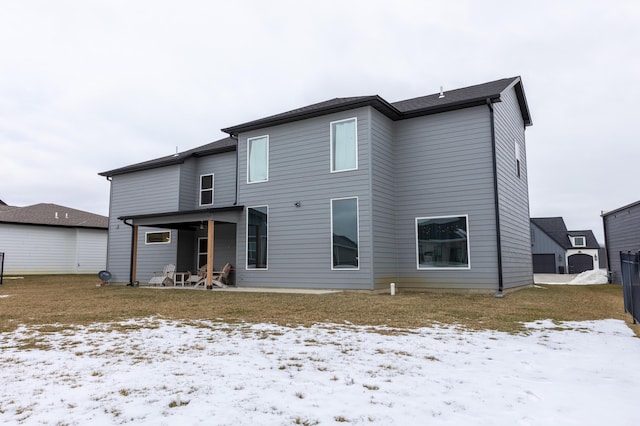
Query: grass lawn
point(75, 299)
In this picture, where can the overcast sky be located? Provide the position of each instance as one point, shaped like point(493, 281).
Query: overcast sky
point(89, 86)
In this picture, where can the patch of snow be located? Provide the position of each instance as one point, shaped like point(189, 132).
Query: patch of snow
point(596, 276)
point(155, 372)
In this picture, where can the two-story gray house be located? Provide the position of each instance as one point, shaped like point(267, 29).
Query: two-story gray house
point(350, 193)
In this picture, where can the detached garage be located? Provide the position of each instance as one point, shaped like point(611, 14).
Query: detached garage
point(556, 250)
point(52, 239)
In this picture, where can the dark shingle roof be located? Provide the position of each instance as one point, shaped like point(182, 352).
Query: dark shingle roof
point(619, 209)
point(222, 145)
point(53, 215)
point(425, 105)
point(431, 104)
point(316, 110)
point(556, 229)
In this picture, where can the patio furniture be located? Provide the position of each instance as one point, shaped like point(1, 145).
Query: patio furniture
point(166, 277)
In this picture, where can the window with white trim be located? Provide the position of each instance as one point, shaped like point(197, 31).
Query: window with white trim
point(344, 233)
point(442, 242)
point(258, 159)
point(344, 145)
point(257, 219)
point(579, 241)
point(206, 190)
point(163, 237)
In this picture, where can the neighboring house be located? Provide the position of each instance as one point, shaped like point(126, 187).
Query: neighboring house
point(621, 233)
point(52, 239)
point(350, 193)
point(557, 250)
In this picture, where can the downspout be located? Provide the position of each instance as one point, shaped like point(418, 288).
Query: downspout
point(496, 201)
point(235, 203)
point(606, 248)
point(133, 242)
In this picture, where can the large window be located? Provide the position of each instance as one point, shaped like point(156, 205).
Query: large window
point(258, 159)
point(157, 237)
point(206, 190)
point(257, 237)
point(442, 242)
point(344, 233)
point(344, 145)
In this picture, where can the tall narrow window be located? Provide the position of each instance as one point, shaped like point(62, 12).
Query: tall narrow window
point(202, 252)
point(257, 237)
point(206, 190)
point(442, 242)
point(258, 159)
point(344, 145)
point(344, 233)
point(517, 154)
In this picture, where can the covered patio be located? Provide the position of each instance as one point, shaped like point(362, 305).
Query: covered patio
point(196, 237)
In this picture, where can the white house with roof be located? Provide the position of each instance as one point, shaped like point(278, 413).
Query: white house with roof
point(52, 239)
point(557, 250)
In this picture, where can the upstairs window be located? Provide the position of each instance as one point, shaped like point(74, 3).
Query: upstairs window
point(344, 145)
point(206, 190)
point(258, 159)
point(579, 241)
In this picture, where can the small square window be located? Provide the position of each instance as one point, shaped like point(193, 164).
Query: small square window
point(579, 241)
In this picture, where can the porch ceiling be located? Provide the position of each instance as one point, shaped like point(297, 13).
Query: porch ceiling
point(186, 219)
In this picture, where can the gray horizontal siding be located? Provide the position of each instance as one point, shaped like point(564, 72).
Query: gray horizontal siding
point(223, 168)
point(517, 265)
point(383, 201)
point(444, 168)
point(622, 230)
point(148, 191)
point(299, 239)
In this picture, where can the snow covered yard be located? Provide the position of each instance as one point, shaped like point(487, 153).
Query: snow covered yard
point(157, 372)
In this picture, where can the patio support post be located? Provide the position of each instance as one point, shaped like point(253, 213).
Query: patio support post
point(210, 235)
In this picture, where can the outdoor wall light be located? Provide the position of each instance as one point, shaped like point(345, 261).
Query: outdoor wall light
point(297, 204)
